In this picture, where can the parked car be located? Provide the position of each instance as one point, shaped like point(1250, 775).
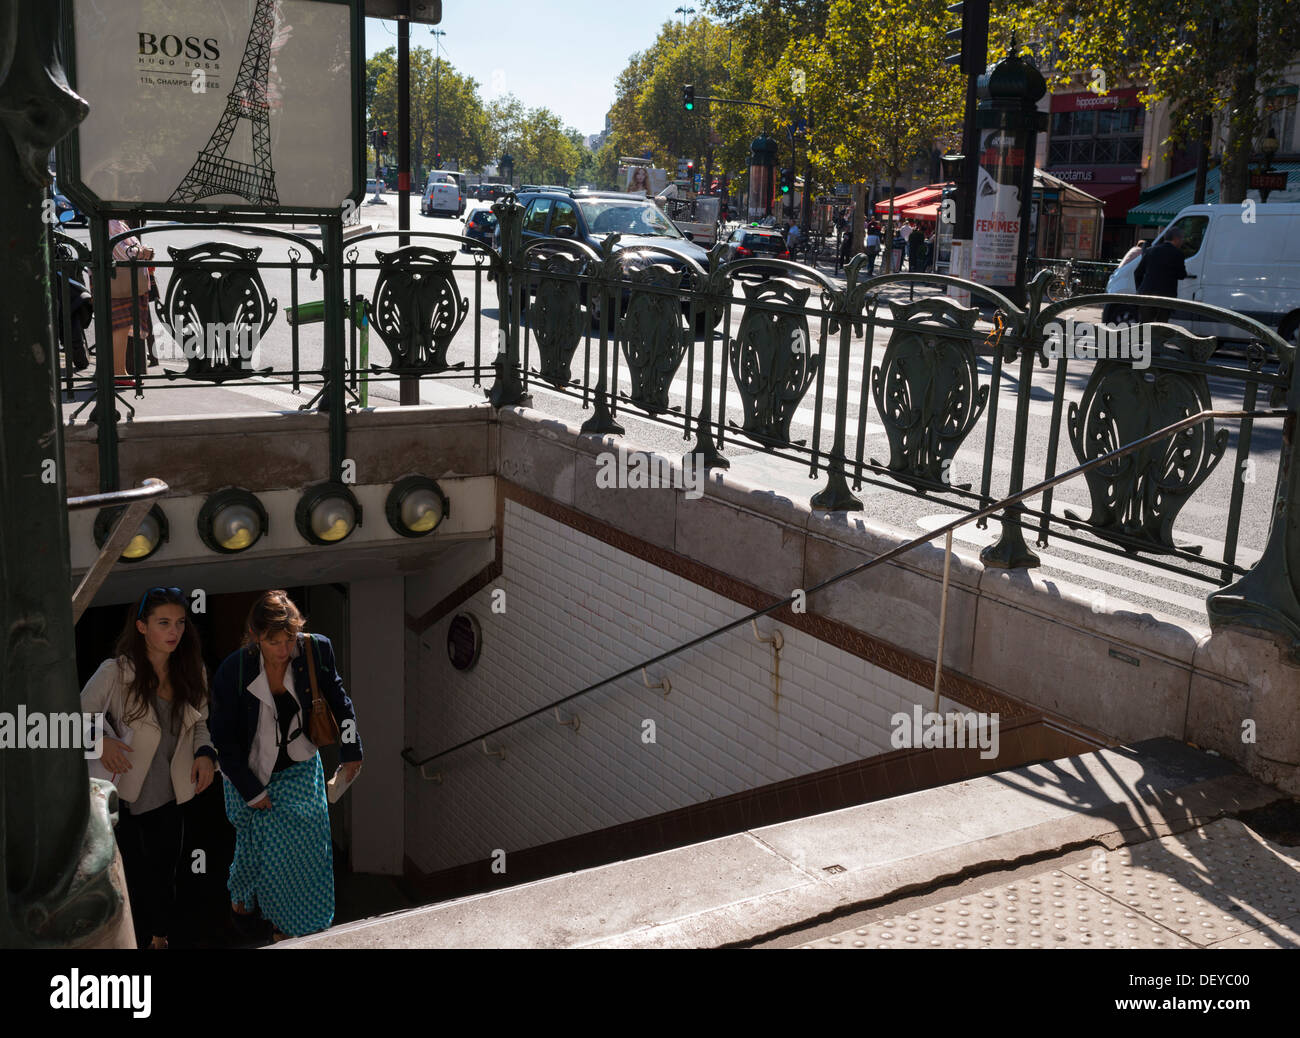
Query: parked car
point(751, 242)
point(1252, 268)
point(481, 225)
point(590, 218)
point(441, 198)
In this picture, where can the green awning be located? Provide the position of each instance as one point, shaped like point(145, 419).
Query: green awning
point(1160, 204)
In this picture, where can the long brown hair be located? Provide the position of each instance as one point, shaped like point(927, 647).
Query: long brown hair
point(184, 667)
point(273, 613)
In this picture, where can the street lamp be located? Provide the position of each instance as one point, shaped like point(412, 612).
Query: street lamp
point(437, 69)
point(1264, 180)
point(684, 11)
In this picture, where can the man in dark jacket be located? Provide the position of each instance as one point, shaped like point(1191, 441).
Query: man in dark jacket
point(916, 249)
point(1158, 274)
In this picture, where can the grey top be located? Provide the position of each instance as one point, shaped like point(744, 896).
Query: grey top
point(157, 789)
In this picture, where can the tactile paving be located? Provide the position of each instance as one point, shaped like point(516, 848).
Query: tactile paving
point(1050, 910)
point(1207, 885)
point(1222, 885)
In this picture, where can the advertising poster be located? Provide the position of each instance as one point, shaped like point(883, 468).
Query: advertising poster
point(997, 209)
point(233, 102)
point(649, 180)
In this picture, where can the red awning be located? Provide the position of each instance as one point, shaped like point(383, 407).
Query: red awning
point(1119, 198)
point(923, 212)
point(910, 199)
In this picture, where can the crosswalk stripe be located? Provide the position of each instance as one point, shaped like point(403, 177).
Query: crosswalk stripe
point(1053, 560)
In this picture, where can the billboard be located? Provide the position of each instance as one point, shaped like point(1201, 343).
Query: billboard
point(251, 105)
point(648, 179)
point(997, 208)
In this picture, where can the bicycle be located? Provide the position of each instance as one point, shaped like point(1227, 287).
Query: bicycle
point(1062, 284)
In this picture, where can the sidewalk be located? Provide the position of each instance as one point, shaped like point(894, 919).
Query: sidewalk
point(1159, 866)
point(1223, 886)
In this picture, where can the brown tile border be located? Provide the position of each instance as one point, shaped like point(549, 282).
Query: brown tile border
point(878, 778)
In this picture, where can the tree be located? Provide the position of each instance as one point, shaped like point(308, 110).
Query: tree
point(447, 114)
point(1201, 56)
point(878, 85)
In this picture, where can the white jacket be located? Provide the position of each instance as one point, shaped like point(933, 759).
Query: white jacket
point(266, 740)
point(105, 693)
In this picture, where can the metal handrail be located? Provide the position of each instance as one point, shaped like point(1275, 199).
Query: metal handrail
point(137, 501)
point(984, 513)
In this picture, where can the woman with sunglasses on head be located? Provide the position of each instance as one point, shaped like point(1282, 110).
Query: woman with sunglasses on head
point(155, 689)
point(275, 787)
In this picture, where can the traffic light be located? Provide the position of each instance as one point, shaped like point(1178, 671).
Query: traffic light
point(690, 169)
point(787, 181)
point(437, 160)
point(688, 97)
point(973, 36)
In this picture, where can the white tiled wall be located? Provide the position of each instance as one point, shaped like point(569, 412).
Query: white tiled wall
point(577, 611)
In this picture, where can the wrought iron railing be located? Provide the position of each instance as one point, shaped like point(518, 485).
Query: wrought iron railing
point(765, 353)
point(1075, 276)
point(1153, 439)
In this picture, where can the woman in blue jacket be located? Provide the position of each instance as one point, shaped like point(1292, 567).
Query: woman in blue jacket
point(275, 787)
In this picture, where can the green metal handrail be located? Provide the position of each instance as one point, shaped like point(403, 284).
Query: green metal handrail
point(1013, 499)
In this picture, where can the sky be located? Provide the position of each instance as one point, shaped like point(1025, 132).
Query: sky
point(564, 55)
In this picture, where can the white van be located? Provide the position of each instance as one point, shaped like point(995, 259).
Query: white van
point(441, 199)
point(1250, 266)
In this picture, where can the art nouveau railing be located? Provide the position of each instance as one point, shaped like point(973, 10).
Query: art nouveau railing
point(778, 358)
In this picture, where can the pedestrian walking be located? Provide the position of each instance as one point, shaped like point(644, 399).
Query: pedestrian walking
point(872, 248)
point(1158, 273)
point(265, 732)
point(153, 695)
point(846, 242)
point(1135, 251)
point(129, 304)
point(915, 250)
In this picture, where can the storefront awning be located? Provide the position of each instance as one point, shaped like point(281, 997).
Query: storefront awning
point(909, 200)
point(1162, 203)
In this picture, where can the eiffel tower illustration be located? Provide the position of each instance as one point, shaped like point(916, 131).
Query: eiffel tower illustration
point(215, 174)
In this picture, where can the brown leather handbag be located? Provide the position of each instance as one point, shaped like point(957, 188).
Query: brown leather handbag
point(322, 728)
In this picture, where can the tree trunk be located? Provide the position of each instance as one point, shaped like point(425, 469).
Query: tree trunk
point(859, 218)
point(1242, 124)
point(1203, 158)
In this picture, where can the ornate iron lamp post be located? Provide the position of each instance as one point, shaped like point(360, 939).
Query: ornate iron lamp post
point(57, 858)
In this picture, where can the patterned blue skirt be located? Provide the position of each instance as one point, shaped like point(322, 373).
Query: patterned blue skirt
point(284, 863)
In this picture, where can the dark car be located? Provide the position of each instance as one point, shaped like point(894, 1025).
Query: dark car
point(590, 217)
point(754, 242)
point(481, 225)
